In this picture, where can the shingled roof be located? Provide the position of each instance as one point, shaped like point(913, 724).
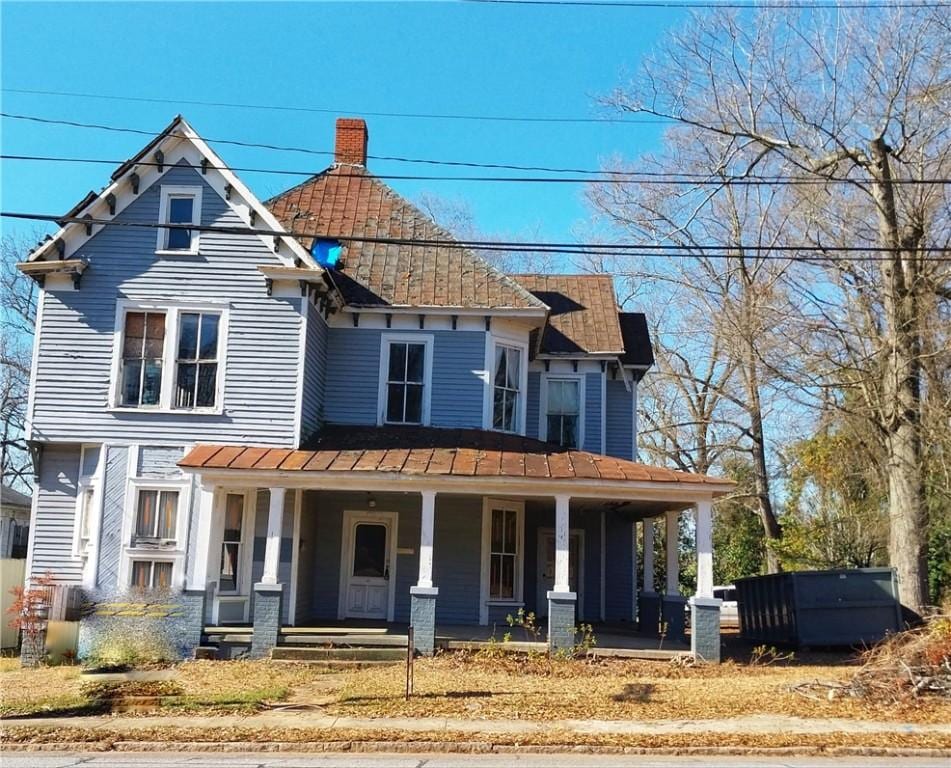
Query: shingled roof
point(584, 313)
point(347, 200)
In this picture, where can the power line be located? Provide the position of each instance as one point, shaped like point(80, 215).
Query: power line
point(659, 178)
point(613, 249)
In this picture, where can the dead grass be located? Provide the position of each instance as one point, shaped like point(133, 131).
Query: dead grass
point(458, 685)
point(43, 690)
point(198, 685)
point(341, 740)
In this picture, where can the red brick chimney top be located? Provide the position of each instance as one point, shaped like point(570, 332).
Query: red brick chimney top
point(350, 146)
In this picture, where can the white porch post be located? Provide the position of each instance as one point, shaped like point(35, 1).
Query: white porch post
point(275, 524)
point(649, 554)
point(562, 578)
point(428, 516)
point(704, 521)
point(673, 553)
point(203, 556)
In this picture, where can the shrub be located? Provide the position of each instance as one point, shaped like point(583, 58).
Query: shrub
point(130, 645)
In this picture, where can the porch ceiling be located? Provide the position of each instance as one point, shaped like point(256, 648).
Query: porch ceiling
point(443, 453)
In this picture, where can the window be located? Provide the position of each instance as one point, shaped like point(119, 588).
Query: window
point(181, 206)
point(506, 389)
point(563, 412)
point(404, 383)
point(87, 499)
point(156, 516)
point(504, 545)
point(405, 376)
point(197, 360)
point(149, 575)
point(232, 544)
point(143, 345)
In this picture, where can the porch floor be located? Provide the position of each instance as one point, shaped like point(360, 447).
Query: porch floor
point(612, 640)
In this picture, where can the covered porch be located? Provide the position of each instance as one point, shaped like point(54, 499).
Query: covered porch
point(451, 539)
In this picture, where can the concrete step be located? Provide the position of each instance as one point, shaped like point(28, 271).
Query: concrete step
point(337, 664)
point(345, 641)
point(292, 653)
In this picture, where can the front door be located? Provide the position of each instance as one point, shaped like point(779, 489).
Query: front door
point(367, 590)
point(546, 567)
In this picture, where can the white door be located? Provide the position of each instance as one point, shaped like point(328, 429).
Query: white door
point(546, 567)
point(368, 576)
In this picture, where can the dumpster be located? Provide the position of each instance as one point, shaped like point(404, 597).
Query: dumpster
point(854, 606)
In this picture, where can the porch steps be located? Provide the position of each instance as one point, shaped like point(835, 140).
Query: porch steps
point(345, 640)
point(338, 653)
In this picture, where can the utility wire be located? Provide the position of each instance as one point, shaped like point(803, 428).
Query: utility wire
point(614, 249)
point(729, 4)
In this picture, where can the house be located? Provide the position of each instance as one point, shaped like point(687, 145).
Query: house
point(14, 523)
point(322, 408)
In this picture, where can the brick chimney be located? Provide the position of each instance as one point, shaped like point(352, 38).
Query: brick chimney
point(350, 146)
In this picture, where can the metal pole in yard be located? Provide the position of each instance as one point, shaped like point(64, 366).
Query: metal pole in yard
point(409, 663)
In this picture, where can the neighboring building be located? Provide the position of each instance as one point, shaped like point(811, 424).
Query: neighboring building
point(359, 420)
point(14, 523)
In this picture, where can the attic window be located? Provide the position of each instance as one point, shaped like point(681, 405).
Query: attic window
point(179, 205)
point(327, 252)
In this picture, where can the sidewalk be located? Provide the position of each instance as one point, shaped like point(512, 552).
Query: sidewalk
point(274, 720)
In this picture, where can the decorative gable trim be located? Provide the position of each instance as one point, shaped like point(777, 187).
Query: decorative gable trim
point(177, 142)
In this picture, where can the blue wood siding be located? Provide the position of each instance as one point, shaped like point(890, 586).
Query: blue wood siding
point(51, 532)
point(353, 375)
point(457, 558)
point(159, 460)
point(315, 373)
point(592, 412)
point(619, 568)
point(115, 482)
point(620, 420)
point(76, 334)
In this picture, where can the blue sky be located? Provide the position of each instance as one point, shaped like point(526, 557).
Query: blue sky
point(351, 57)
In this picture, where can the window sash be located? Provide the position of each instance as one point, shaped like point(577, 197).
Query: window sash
point(179, 239)
point(504, 554)
point(196, 379)
point(156, 514)
point(405, 382)
point(149, 575)
point(232, 545)
point(143, 349)
point(506, 399)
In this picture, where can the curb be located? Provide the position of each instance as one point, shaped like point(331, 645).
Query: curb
point(461, 747)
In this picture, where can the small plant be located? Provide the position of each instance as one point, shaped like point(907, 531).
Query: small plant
point(528, 623)
point(763, 656)
point(30, 611)
point(586, 642)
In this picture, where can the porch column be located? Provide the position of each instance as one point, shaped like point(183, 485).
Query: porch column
point(705, 610)
point(561, 600)
point(268, 593)
point(673, 620)
point(200, 586)
point(648, 604)
point(423, 595)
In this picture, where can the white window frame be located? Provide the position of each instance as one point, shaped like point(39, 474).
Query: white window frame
point(172, 310)
point(89, 482)
point(543, 404)
point(167, 193)
point(386, 339)
point(488, 402)
point(197, 362)
point(485, 601)
point(174, 553)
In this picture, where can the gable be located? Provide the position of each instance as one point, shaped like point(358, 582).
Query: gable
point(178, 144)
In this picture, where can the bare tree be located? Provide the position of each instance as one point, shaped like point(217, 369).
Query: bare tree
point(857, 101)
point(17, 316)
